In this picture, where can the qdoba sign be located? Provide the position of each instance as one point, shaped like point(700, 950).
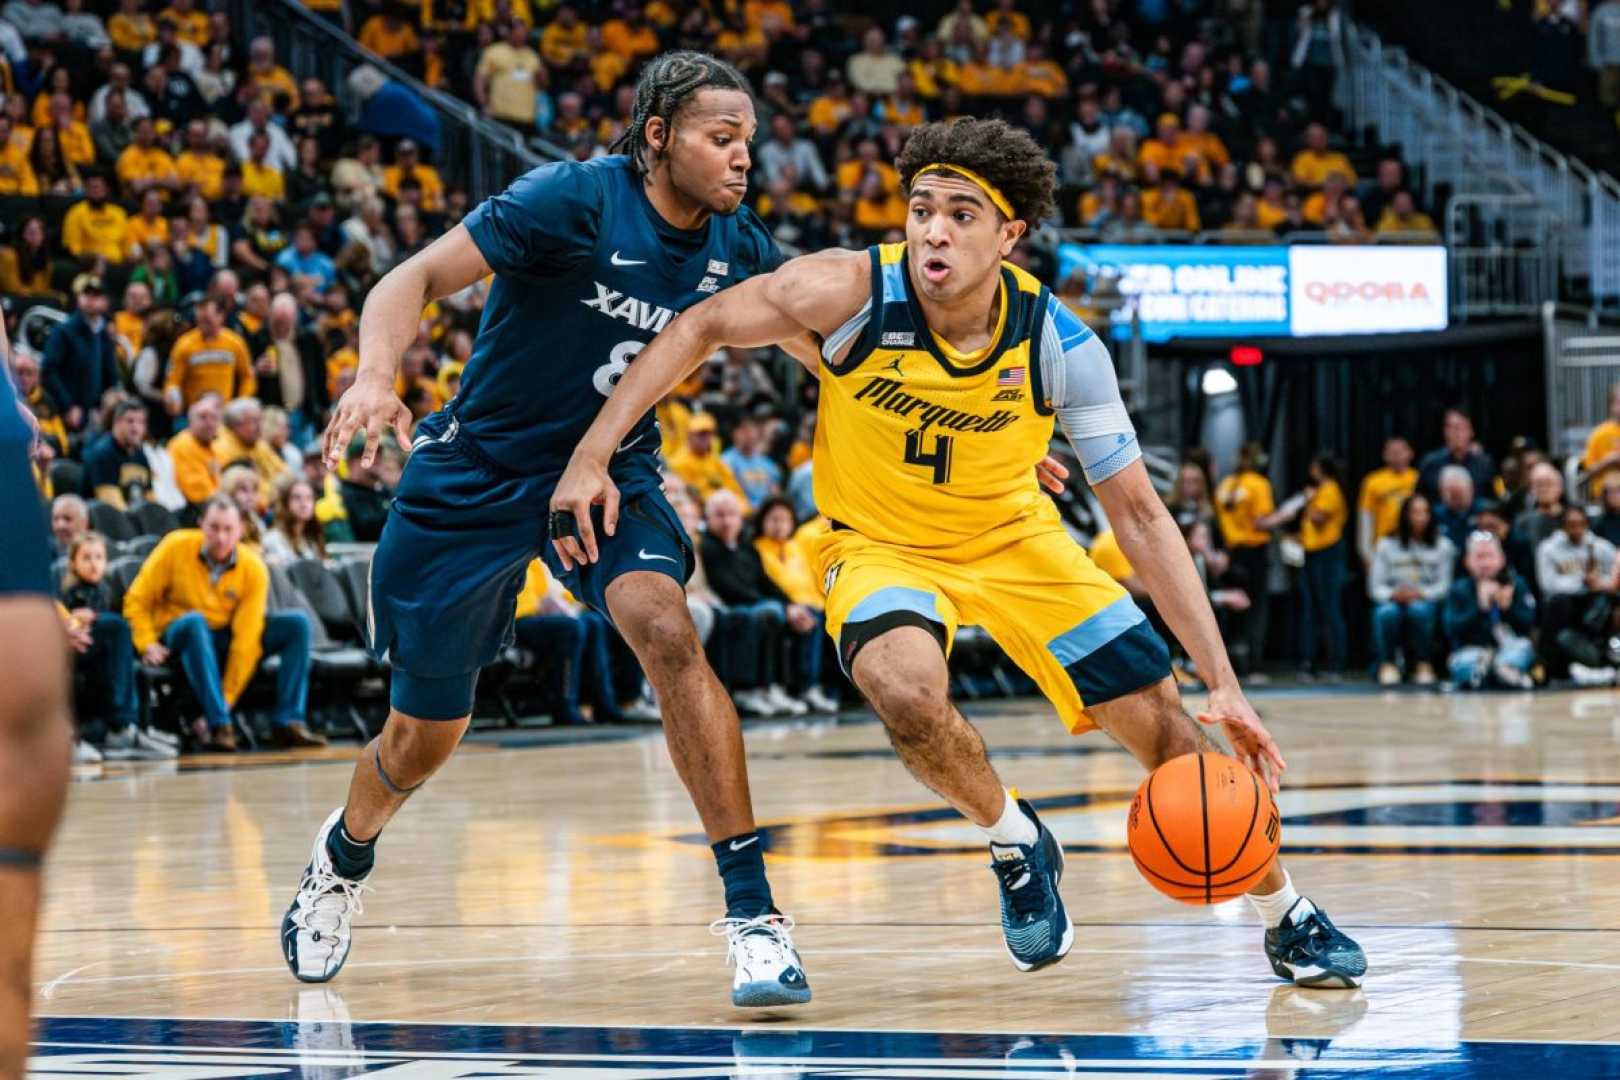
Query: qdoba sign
point(1212, 291)
point(1366, 290)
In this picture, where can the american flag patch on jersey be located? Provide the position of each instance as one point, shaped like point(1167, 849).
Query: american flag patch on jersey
point(1013, 376)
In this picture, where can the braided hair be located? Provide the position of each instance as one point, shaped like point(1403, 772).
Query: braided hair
point(667, 83)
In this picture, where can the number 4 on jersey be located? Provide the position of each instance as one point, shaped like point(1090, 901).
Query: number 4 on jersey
point(939, 458)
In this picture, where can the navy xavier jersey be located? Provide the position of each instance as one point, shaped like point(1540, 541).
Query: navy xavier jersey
point(586, 274)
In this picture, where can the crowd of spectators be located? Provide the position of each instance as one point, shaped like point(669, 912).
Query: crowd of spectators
point(1473, 573)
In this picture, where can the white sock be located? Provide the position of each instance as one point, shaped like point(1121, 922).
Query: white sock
point(1013, 827)
point(1273, 908)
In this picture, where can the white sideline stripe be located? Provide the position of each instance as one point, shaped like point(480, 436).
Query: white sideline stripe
point(314, 1056)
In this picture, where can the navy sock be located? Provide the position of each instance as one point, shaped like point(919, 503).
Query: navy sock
point(741, 861)
point(351, 858)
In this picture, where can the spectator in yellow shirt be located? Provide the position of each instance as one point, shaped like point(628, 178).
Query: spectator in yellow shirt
point(699, 464)
point(1312, 165)
point(630, 36)
point(198, 166)
point(388, 35)
point(1323, 206)
point(208, 359)
point(829, 111)
point(1602, 455)
point(191, 25)
point(933, 71)
point(1161, 151)
point(267, 77)
point(96, 228)
point(497, 12)
point(852, 173)
point(149, 226)
point(1321, 584)
point(504, 81)
point(1039, 74)
point(877, 210)
point(16, 173)
point(131, 29)
point(259, 177)
point(1170, 206)
point(201, 598)
point(1007, 13)
point(784, 553)
point(1119, 160)
point(562, 42)
point(1246, 513)
point(196, 469)
point(1382, 493)
point(408, 162)
point(72, 133)
point(145, 165)
point(241, 442)
point(1403, 216)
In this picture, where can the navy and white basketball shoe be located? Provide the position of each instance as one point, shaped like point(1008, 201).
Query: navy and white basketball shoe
point(769, 971)
point(1033, 919)
point(317, 929)
point(1308, 950)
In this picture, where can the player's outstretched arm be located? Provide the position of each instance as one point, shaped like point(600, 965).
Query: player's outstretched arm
point(388, 324)
point(812, 294)
point(1151, 541)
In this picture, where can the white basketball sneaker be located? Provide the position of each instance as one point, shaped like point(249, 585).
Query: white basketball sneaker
point(769, 971)
point(315, 933)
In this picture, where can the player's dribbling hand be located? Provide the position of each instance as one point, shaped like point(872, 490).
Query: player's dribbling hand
point(370, 405)
point(582, 485)
point(1250, 740)
point(1051, 473)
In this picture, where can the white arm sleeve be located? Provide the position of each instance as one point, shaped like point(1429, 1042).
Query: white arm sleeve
point(1077, 376)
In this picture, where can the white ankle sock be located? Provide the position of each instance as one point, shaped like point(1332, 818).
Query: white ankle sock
point(1014, 826)
point(1273, 908)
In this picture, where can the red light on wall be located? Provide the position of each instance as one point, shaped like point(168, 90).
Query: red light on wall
point(1246, 356)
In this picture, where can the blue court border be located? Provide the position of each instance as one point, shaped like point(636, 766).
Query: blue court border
point(334, 1051)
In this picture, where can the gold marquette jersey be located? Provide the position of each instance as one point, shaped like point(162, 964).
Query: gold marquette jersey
point(920, 445)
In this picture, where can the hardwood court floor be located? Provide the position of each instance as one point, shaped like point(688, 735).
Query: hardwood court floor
point(1471, 843)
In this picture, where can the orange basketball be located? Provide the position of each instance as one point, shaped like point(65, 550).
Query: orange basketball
point(1203, 829)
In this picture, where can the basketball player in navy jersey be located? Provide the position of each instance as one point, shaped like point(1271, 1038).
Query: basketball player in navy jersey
point(34, 727)
point(591, 260)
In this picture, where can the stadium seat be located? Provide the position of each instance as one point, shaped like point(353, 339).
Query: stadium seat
point(121, 573)
point(154, 519)
point(67, 477)
point(336, 665)
point(111, 522)
point(139, 547)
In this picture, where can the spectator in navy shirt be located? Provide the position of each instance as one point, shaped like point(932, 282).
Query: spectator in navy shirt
point(115, 466)
point(81, 360)
point(1458, 450)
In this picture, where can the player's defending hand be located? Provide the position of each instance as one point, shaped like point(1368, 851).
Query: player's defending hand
point(371, 406)
point(583, 484)
point(1051, 473)
point(1251, 741)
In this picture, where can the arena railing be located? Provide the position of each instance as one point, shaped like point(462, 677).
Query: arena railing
point(474, 151)
point(1449, 138)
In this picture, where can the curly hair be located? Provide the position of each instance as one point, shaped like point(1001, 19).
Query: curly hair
point(667, 83)
point(1006, 156)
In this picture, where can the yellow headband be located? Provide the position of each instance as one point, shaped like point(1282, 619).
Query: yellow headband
point(990, 190)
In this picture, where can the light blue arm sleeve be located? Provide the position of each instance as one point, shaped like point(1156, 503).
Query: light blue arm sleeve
point(1077, 375)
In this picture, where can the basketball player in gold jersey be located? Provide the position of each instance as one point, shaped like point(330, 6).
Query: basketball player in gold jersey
point(942, 369)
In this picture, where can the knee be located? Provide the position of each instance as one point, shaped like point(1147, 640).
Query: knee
point(189, 625)
point(111, 628)
point(287, 630)
point(414, 749)
point(666, 640)
point(911, 708)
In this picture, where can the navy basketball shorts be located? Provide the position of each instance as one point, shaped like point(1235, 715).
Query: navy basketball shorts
point(452, 558)
point(25, 536)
